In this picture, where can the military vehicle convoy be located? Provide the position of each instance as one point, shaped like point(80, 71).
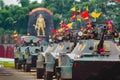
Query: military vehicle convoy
point(39, 24)
point(26, 53)
point(95, 55)
point(92, 53)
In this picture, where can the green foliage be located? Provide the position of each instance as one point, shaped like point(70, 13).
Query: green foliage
point(9, 22)
point(24, 3)
point(8, 31)
point(7, 64)
point(1, 4)
point(15, 17)
point(56, 16)
point(1, 30)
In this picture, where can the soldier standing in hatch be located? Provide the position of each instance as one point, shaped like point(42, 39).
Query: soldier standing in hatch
point(109, 27)
point(90, 30)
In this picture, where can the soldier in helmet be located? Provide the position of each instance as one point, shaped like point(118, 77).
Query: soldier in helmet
point(109, 27)
point(84, 32)
point(90, 30)
point(89, 26)
point(111, 30)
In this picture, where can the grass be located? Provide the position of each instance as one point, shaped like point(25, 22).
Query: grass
point(7, 64)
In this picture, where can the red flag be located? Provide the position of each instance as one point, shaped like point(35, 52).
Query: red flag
point(63, 25)
point(73, 17)
point(54, 31)
point(85, 15)
point(118, 0)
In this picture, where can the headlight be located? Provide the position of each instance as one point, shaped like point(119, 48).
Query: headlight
point(32, 44)
point(80, 33)
point(77, 56)
point(60, 38)
point(58, 54)
point(50, 40)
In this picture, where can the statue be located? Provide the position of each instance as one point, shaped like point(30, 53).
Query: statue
point(40, 25)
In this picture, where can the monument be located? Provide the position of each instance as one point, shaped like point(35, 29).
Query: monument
point(40, 22)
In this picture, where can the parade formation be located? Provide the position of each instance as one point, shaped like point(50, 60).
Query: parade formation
point(79, 49)
point(71, 54)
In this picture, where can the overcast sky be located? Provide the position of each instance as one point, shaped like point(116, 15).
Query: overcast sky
point(9, 2)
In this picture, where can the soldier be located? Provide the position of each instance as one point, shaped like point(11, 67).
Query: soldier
point(109, 27)
point(90, 29)
point(111, 30)
point(89, 25)
point(40, 25)
point(84, 32)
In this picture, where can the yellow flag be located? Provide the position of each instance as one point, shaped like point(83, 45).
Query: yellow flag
point(96, 15)
point(87, 8)
point(78, 10)
point(70, 25)
point(60, 30)
point(73, 9)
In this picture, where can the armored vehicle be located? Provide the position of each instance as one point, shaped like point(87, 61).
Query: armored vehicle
point(27, 52)
point(19, 53)
point(41, 59)
point(89, 65)
point(51, 58)
point(97, 60)
point(32, 55)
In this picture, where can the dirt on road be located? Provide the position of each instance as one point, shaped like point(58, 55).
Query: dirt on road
point(13, 74)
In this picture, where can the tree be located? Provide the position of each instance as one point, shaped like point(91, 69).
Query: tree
point(9, 22)
point(1, 4)
point(21, 16)
point(2, 30)
point(24, 3)
point(61, 9)
point(3, 15)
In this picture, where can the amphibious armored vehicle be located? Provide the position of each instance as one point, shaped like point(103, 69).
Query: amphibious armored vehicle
point(89, 63)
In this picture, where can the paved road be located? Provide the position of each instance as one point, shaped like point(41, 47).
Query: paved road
point(13, 74)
